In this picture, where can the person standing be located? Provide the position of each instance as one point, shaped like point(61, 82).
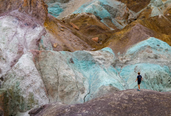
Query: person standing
point(139, 79)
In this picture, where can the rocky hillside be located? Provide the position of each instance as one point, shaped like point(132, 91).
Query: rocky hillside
point(74, 51)
point(118, 24)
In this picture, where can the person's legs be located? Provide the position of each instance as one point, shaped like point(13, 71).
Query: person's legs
point(138, 86)
point(139, 82)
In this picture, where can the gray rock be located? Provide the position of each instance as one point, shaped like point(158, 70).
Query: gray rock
point(17, 36)
point(25, 88)
point(76, 77)
point(122, 103)
point(157, 3)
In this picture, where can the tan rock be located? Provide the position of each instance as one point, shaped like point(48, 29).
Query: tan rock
point(95, 39)
point(62, 29)
point(55, 45)
point(74, 26)
point(62, 26)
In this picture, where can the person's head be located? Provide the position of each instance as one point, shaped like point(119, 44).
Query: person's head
point(138, 73)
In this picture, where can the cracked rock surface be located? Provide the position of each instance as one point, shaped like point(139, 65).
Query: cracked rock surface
point(128, 102)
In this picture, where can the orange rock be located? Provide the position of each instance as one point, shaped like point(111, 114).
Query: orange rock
point(74, 26)
point(62, 26)
point(96, 39)
point(55, 45)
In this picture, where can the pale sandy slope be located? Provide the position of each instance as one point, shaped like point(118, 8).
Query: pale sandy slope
point(72, 6)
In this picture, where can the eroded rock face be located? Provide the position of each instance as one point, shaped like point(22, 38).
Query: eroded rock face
point(136, 33)
point(34, 8)
point(80, 76)
point(21, 28)
point(24, 85)
point(136, 5)
point(116, 11)
point(150, 57)
point(4, 111)
point(151, 48)
point(35, 74)
point(88, 26)
point(77, 77)
point(63, 84)
point(120, 104)
point(149, 19)
point(18, 35)
point(66, 37)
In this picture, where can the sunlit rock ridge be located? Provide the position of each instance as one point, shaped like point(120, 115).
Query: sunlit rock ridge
point(67, 52)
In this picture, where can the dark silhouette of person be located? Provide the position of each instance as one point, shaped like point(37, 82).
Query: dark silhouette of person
point(139, 79)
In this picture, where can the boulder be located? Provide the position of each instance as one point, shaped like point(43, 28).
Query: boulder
point(120, 104)
point(18, 35)
point(95, 39)
point(24, 86)
point(77, 77)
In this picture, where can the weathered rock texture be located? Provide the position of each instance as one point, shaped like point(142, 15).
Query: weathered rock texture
point(152, 58)
point(18, 35)
point(70, 78)
point(36, 73)
point(24, 86)
point(77, 77)
point(140, 30)
point(64, 35)
point(129, 102)
point(136, 5)
point(36, 9)
point(109, 10)
point(132, 22)
point(89, 26)
point(3, 103)
point(21, 28)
